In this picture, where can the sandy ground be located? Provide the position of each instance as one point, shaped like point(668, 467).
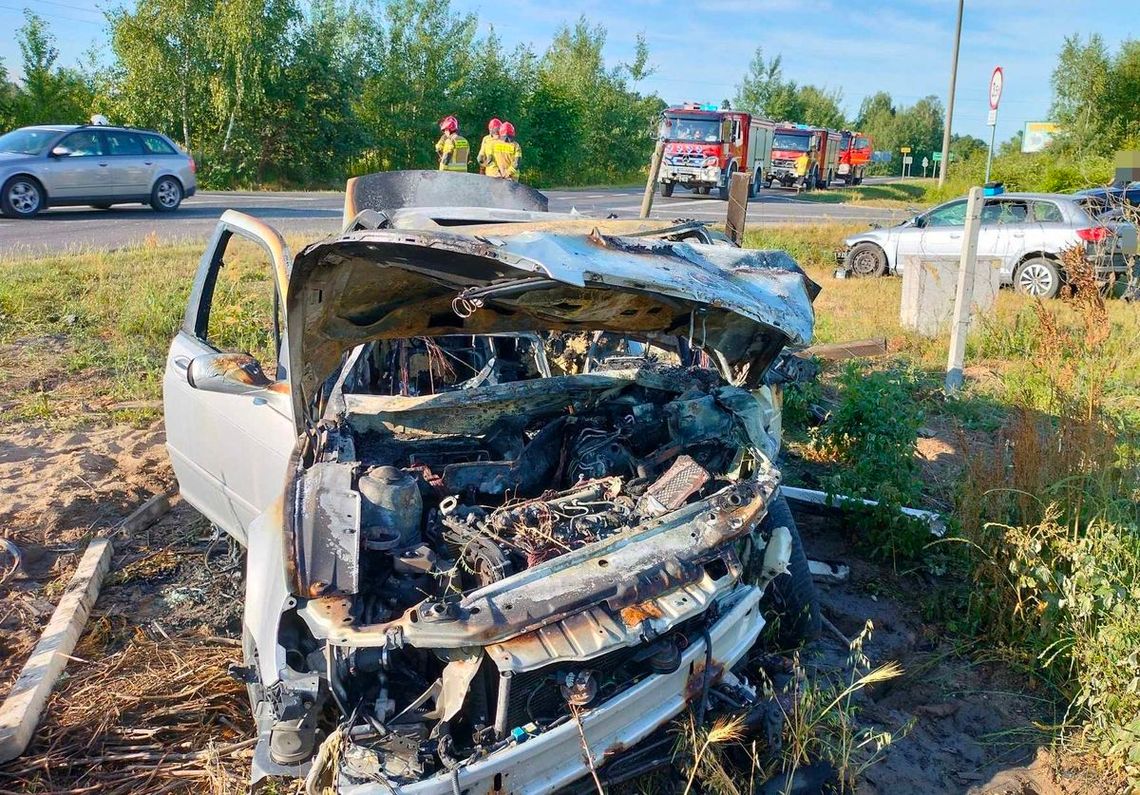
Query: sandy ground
point(149, 673)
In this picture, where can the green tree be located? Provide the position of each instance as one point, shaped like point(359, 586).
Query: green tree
point(757, 92)
point(49, 92)
point(963, 147)
point(820, 107)
point(1080, 83)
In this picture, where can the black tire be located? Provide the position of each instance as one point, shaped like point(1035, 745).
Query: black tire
point(1038, 277)
point(166, 195)
point(830, 178)
point(867, 259)
point(768, 183)
point(754, 185)
point(667, 188)
point(723, 189)
point(791, 601)
point(22, 197)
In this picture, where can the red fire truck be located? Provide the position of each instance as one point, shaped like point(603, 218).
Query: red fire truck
point(705, 145)
point(855, 149)
point(792, 140)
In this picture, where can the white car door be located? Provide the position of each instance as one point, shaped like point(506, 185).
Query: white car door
point(230, 450)
point(931, 233)
point(1006, 233)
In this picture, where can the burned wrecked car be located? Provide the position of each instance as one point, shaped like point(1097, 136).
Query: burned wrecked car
point(508, 491)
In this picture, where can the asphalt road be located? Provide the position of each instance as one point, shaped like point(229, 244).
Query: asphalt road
point(319, 213)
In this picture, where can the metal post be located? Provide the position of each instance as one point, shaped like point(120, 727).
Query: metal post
point(950, 100)
point(990, 154)
point(651, 183)
point(964, 297)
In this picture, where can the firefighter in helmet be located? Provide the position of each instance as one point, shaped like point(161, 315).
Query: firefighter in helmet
point(451, 148)
point(487, 147)
point(506, 154)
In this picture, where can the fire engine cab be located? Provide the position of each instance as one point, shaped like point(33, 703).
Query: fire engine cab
point(855, 149)
point(792, 140)
point(705, 145)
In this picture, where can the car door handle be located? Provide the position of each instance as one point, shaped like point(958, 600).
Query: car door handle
point(148, 162)
point(182, 362)
point(954, 236)
point(102, 165)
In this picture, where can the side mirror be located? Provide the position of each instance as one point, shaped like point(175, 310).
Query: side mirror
point(918, 221)
point(227, 373)
point(60, 151)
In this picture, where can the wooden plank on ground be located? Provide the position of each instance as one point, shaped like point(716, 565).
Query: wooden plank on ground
point(839, 351)
point(20, 713)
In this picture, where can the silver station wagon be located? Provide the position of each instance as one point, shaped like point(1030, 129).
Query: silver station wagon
point(1027, 231)
point(99, 165)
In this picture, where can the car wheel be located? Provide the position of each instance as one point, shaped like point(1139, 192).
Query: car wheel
point(723, 190)
point(791, 601)
point(1038, 277)
point(166, 195)
point(754, 185)
point(867, 259)
point(21, 197)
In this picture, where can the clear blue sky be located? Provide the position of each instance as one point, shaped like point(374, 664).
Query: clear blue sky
point(701, 48)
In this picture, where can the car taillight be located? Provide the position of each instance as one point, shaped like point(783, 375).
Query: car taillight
point(1095, 234)
point(193, 166)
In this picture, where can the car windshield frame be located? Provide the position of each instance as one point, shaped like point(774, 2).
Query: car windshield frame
point(9, 145)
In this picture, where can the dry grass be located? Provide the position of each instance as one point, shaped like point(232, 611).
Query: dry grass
point(157, 716)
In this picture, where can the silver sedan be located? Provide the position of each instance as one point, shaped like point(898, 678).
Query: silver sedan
point(98, 165)
point(1026, 231)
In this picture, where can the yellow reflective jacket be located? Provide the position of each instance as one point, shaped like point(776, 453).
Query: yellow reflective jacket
point(505, 160)
point(486, 150)
point(802, 164)
point(453, 153)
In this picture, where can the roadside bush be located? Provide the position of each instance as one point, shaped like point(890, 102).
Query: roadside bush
point(1050, 513)
point(872, 437)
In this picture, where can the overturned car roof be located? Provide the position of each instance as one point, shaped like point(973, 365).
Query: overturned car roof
point(540, 274)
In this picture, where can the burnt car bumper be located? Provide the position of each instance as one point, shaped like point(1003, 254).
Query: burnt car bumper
point(544, 763)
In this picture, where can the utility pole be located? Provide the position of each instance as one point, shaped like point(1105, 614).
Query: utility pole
point(950, 100)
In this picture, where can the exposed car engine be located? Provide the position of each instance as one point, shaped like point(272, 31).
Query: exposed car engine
point(445, 516)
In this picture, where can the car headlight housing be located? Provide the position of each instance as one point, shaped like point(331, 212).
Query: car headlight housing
point(710, 161)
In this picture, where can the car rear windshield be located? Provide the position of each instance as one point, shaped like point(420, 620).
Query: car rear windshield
point(26, 142)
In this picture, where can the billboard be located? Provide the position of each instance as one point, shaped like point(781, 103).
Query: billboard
point(1037, 135)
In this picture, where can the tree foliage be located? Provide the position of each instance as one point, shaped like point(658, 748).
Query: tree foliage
point(765, 92)
point(1095, 96)
point(311, 91)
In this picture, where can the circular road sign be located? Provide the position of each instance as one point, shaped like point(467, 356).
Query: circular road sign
point(996, 81)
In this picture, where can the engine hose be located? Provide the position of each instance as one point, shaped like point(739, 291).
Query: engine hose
point(706, 676)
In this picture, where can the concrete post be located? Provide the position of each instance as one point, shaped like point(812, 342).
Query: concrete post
point(967, 267)
point(651, 183)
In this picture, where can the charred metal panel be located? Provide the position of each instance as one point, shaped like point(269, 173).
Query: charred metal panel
point(327, 536)
point(392, 190)
point(387, 284)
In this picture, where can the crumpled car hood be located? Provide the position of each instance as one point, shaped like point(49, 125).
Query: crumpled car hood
point(740, 305)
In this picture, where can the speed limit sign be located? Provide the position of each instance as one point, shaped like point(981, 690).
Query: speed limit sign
point(996, 81)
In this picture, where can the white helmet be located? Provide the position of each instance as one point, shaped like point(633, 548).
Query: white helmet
point(100, 120)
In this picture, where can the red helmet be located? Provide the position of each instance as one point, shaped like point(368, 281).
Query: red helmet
point(507, 129)
point(493, 126)
point(449, 124)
